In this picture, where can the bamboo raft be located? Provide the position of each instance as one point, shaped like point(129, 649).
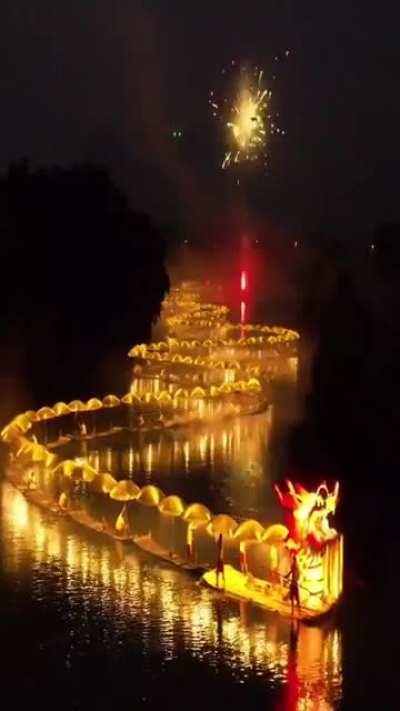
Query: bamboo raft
point(149, 545)
point(240, 586)
point(85, 519)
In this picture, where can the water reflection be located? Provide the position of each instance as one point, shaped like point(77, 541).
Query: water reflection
point(231, 463)
point(170, 612)
point(240, 443)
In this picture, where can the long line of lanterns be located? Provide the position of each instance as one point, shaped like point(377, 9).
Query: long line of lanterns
point(182, 308)
point(27, 452)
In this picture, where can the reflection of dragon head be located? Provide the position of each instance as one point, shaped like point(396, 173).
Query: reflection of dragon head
point(308, 511)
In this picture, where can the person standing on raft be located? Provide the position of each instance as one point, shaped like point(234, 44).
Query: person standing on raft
point(220, 560)
point(293, 575)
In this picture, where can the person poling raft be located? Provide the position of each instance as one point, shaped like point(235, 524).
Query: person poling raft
point(293, 575)
point(220, 560)
point(296, 570)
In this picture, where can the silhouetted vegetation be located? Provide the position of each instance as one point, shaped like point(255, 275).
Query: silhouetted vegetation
point(348, 311)
point(83, 277)
point(348, 316)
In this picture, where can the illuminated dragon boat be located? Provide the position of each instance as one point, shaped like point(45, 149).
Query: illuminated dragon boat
point(266, 556)
point(205, 368)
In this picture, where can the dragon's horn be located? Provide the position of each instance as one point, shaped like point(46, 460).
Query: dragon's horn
point(290, 486)
point(278, 491)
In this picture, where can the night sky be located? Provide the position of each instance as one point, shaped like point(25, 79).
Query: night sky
point(110, 80)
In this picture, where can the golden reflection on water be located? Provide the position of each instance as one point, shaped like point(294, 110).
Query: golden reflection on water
point(172, 611)
point(236, 455)
point(239, 443)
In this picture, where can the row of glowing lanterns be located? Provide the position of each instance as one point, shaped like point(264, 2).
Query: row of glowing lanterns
point(208, 353)
point(27, 453)
point(183, 308)
point(95, 404)
point(276, 335)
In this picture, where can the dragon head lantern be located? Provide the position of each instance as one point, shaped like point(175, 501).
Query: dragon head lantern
point(307, 513)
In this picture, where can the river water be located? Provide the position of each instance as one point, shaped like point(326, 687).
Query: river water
point(88, 622)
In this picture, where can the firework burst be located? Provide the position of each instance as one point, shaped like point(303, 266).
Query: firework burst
point(246, 114)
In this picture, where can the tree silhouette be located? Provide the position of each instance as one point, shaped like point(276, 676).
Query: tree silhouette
point(83, 278)
point(341, 363)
